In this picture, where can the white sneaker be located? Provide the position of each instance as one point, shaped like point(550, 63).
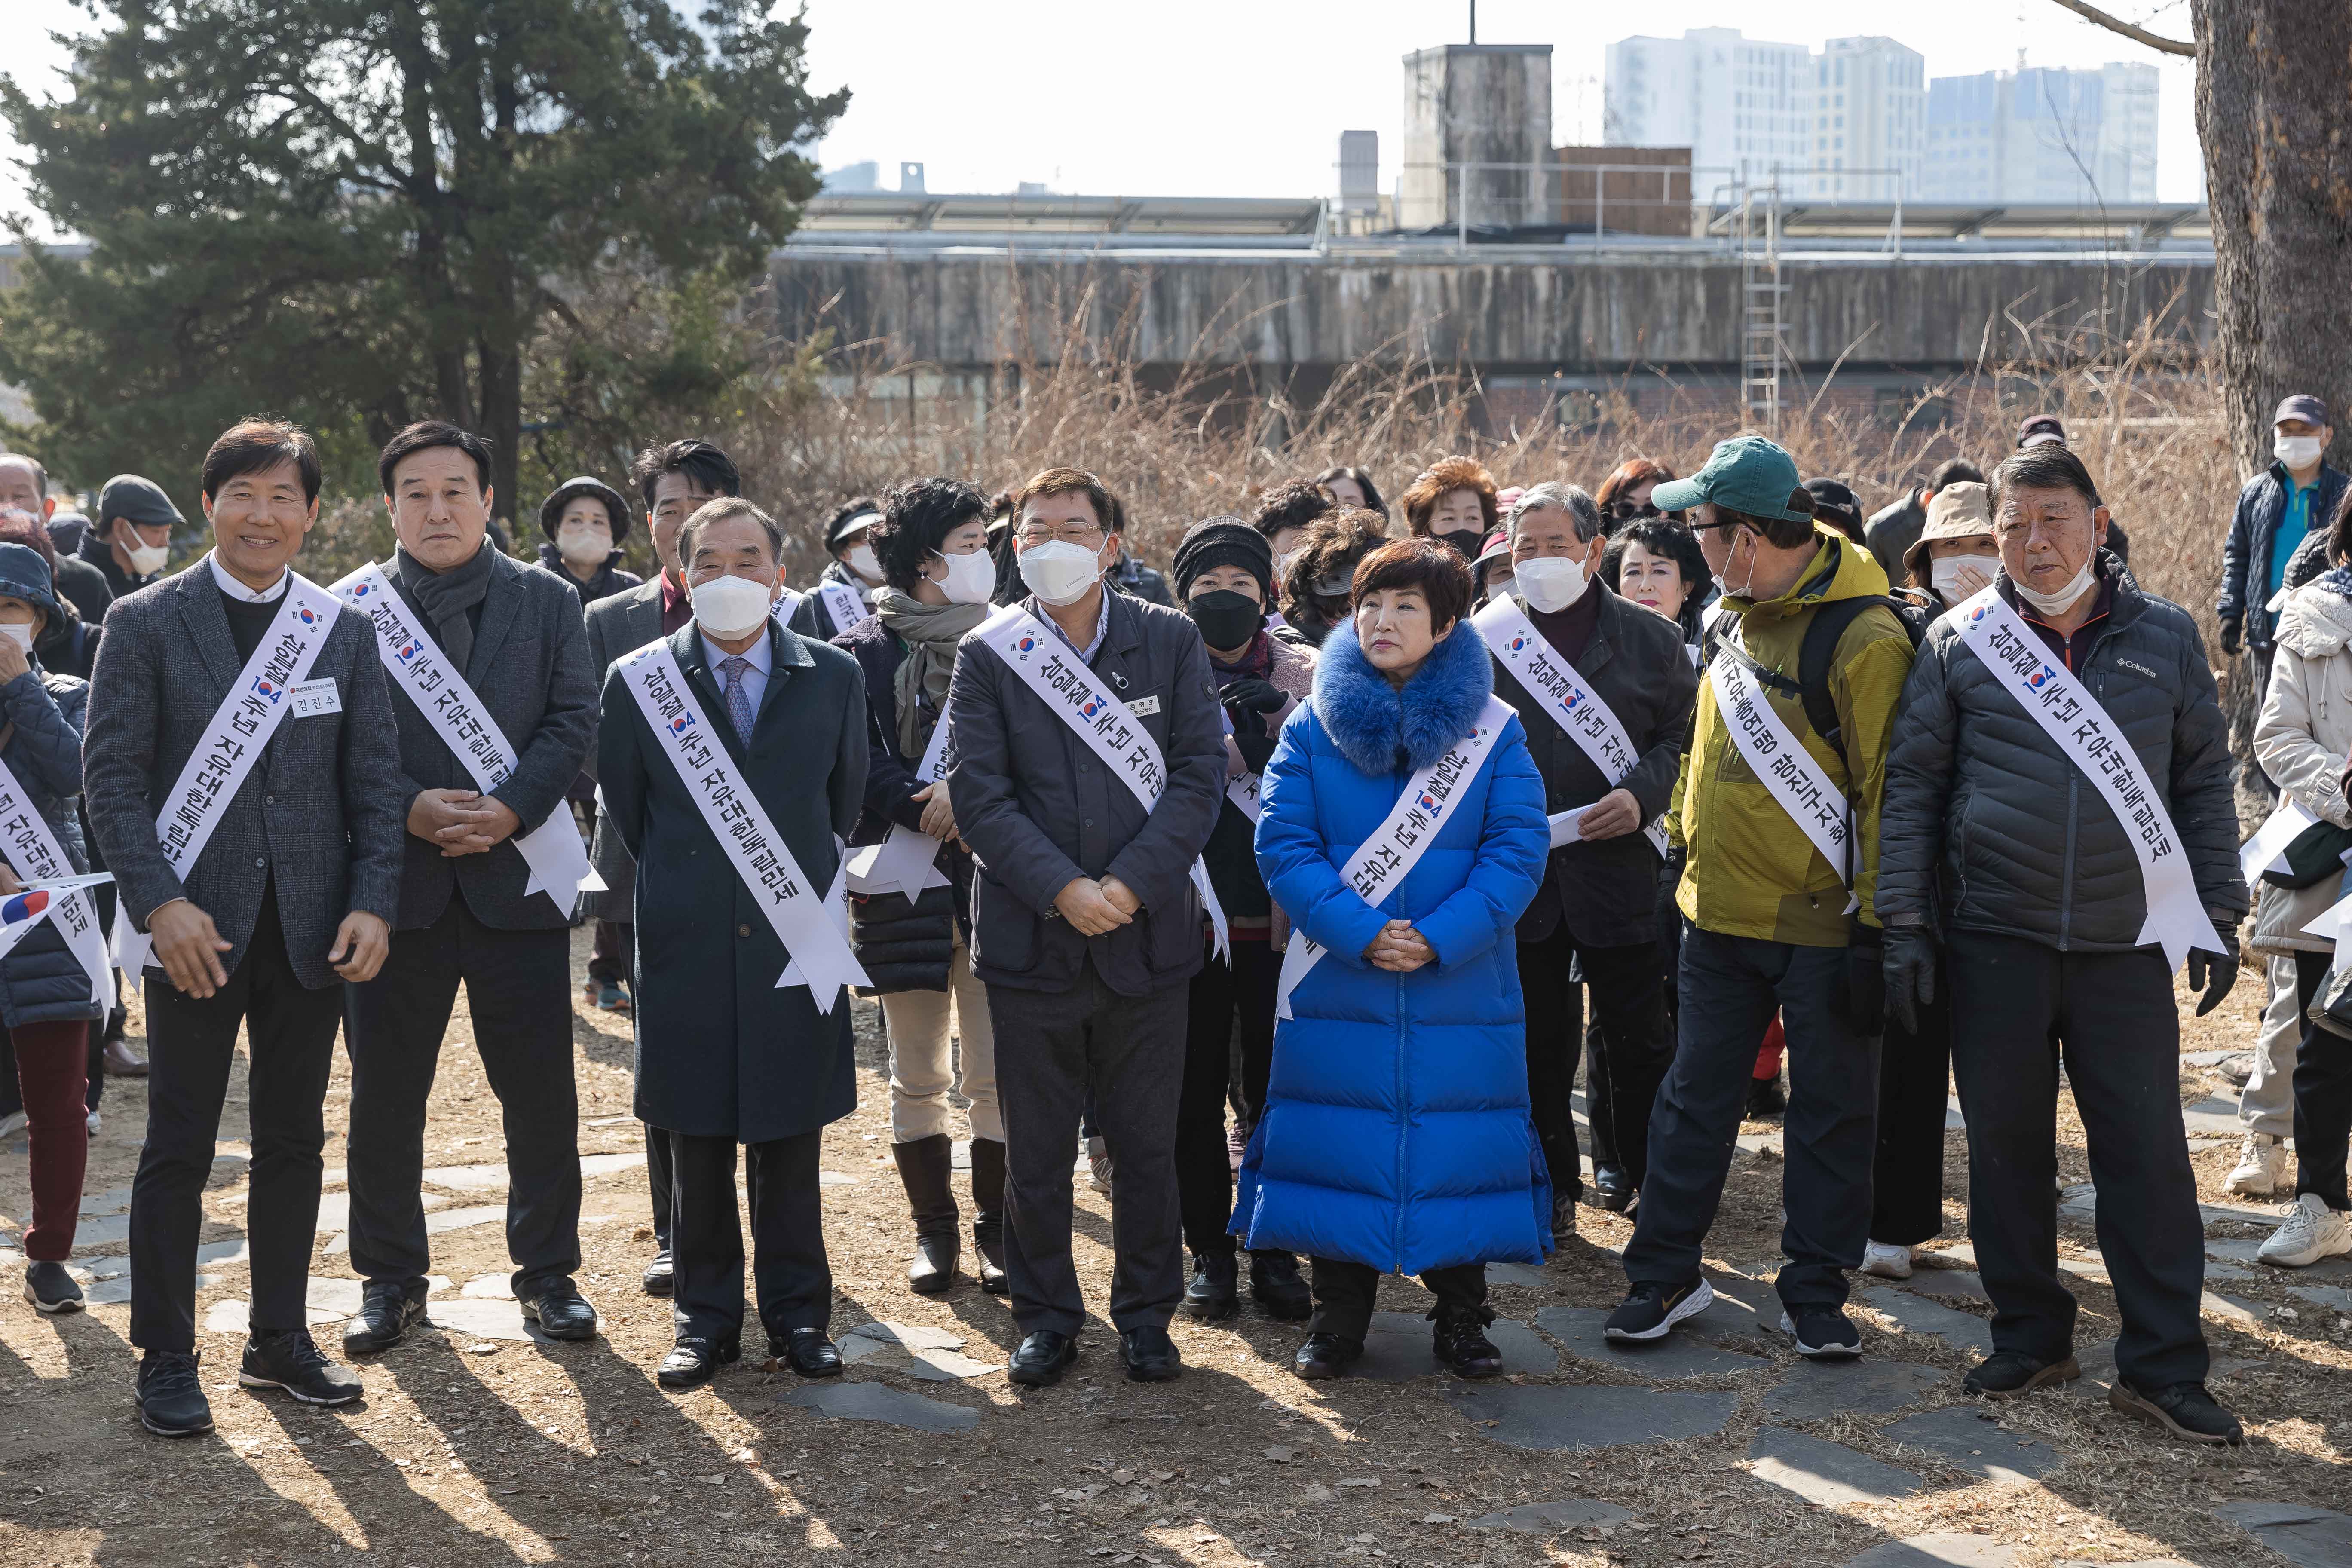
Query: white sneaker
point(91, 1122)
point(2262, 1166)
point(1886, 1262)
point(1098, 1163)
point(12, 1124)
point(2312, 1231)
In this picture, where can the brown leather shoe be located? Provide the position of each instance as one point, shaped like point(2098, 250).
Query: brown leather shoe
point(121, 1061)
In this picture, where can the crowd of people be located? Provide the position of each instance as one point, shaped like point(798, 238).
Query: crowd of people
point(1276, 882)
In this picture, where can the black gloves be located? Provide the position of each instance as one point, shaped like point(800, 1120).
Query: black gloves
point(2231, 631)
point(1865, 979)
point(1910, 974)
point(2212, 975)
point(1249, 702)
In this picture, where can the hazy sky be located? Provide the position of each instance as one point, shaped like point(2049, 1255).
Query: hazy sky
point(1249, 96)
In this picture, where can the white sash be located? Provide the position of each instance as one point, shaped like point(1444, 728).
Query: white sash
point(1395, 847)
point(1789, 775)
point(787, 603)
point(2086, 737)
point(802, 918)
point(1565, 696)
point(844, 605)
point(239, 733)
point(1243, 792)
point(34, 854)
point(557, 860)
point(1052, 668)
point(908, 860)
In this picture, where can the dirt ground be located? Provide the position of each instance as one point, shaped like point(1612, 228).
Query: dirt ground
point(469, 1449)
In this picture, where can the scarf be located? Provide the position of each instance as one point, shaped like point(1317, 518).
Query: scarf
point(2336, 580)
point(930, 632)
point(1256, 659)
point(446, 596)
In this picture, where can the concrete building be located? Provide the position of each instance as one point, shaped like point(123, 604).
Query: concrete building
point(1869, 114)
point(1475, 103)
point(1742, 106)
point(2042, 135)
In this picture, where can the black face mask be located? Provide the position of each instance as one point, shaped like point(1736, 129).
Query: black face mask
point(1227, 619)
point(1464, 542)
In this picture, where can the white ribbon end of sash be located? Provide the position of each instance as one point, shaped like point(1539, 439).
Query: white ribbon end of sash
point(1567, 826)
point(2178, 929)
point(132, 947)
point(2265, 851)
point(904, 863)
point(2329, 926)
point(828, 995)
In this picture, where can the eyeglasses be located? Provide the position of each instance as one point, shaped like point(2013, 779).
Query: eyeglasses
point(1076, 535)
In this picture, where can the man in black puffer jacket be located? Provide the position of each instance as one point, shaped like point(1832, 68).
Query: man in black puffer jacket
point(1995, 828)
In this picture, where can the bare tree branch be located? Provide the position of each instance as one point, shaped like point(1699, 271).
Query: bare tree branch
point(2138, 35)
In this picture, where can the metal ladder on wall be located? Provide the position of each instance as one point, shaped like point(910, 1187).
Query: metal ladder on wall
point(1760, 293)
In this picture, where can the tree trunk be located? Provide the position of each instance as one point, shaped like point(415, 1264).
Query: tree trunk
point(501, 420)
point(2274, 89)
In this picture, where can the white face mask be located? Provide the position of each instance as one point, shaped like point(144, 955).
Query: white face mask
point(861, 561)
point(1550, 583)
point(22, 635)
point(1957, 577)
point(971, 579)
point(2063, 599)
point(584, 544)
point(146, 559)
point(2296, 451)
point(1058, 571)
point(731, 608)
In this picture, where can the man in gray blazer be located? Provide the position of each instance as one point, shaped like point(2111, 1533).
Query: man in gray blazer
point(1084, 924)
point(467, 913)
point(291, 894)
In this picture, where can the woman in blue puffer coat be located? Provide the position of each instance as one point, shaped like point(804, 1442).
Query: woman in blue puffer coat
point(1396, 1137)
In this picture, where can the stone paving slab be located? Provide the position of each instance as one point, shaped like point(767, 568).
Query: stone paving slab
point(1398, 1349)
point(1966, 1441)
point(1937, 1552)
point(1814, 1391)
point(1917, 1315)
point(934, 1355)
point(1947, 1284)
point(1677, 1355)
point(115, 1200)
point(1824, 1473)
point(878, 1402)
point(2329, 1295)
point(1544, 1518)
point(2307, 1537)
point(1573, 1417)
point(1521, 1275)
point(485, 1320)
point(115, 1291)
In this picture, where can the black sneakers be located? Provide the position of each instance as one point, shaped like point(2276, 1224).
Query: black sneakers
point(1215, 1290)
point(1460, 1345)
point(2011, 1374)
point(289, 1359)
point(50, 1288)
point(1326, 1356)
point(387, 1310)
point(1653, 1308)
point(1274, 1285)
point(2185, 1410)
point(171, 1401)
point(1822, 1333)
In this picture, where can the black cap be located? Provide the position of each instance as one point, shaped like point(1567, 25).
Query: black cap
point(2041, 428)
point(551, 511)
point(2303, 406)
point(142, 501)
point(25, 575)
point(1223, 542)
point(1836, 505)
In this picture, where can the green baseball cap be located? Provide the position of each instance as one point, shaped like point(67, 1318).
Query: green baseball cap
point(1748, 473)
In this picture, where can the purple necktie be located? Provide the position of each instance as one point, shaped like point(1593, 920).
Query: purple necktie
point(738, 701)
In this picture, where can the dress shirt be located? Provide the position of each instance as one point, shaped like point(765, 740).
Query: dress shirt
point(761, 656)
point(238, 591)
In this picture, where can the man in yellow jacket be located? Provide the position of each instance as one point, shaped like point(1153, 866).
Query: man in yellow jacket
point(1778, 805)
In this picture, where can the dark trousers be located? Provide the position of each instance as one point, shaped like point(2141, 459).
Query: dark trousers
point(1227, 1001)
point(2323, 1093)
point(657, 1177)
point(191, 1043)
point(1052, 1050)
point(2016, 1006)
point(1344, 1293)
point(610, 960)
point(518, 994)
point(1730, 986)
point(788, 1271)
point(50, 1067)
point(1622, 1080)
point(1914, 1073)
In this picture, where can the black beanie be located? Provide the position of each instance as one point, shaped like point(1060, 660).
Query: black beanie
point(1223, 542)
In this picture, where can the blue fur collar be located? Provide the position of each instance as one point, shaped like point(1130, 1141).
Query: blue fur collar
point(1370, 721)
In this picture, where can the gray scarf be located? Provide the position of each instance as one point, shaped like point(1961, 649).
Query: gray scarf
point(930, 632)
point(446, 597)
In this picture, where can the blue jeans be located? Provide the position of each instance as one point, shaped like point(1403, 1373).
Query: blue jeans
point(1730, 988)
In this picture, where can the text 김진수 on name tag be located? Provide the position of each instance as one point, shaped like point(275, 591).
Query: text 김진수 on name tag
point(1144, 707)
point(312, 697)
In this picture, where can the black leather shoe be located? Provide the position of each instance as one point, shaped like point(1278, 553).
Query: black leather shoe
point(562, 1313)
point(658, 1274)
point(289, 1359)
point(1215, 1290)
point(1461, 1344)
point(387, 1308)
point(1149, 1354)
point(1274, 1285)
point(693, 1362)
point(1326, 1356)
point(1612, 1189)
point(1042, 1359)
point(807, 1352)
point(171, 1401)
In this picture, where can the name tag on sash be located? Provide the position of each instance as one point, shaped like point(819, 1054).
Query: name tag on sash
point(259, 699)
point(313, 699)
point(1051, 669)
point(2086, 736)
point(1396, 846)
point(1781, 762)
point(557, 860)
point(811, 926)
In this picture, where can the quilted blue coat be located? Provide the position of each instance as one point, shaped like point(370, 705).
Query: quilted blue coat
point(1396, 1131)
